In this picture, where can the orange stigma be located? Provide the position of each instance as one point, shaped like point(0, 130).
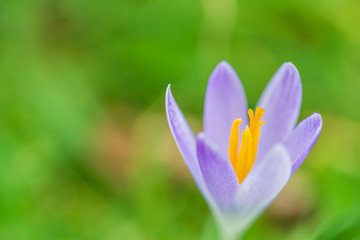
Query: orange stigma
point(242, 160)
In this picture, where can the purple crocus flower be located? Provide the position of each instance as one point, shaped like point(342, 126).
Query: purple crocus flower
point(239, 175)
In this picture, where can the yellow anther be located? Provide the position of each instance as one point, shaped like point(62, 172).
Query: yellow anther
point(234, 141)
point(243, 160)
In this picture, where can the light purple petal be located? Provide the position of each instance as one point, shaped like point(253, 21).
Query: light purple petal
point(225, 101)
point(282, 101)
point(184, 138)
point(302, 139)
point(267, 177)
point(217, 171)
point(259, 189)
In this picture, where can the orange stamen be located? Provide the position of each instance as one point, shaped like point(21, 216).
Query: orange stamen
point(234, 141)
point(243, 160)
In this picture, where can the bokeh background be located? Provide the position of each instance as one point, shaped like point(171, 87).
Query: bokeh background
point(85, 150)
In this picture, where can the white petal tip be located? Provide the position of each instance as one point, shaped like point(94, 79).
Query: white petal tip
point(201, 136)
point(317, 120)
point(224, 65)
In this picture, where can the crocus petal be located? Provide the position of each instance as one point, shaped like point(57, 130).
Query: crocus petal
point(258, 190)
point(184, 137)
point(217, 171)
point(225, 101)
point(302, 139)
point(282, 101)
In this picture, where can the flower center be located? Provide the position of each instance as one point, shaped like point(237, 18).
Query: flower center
point(242, 160)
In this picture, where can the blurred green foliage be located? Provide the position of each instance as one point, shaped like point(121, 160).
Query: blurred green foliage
point(85, 152)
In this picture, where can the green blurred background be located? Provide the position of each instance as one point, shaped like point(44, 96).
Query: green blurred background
point(85, 150)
